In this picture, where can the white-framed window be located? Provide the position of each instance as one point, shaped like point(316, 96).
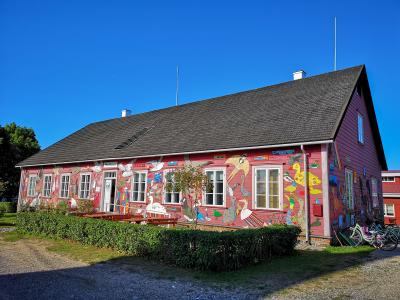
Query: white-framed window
point(84, 187)
point(388, 179)
point(64, 185)
point(139, 186)
point(32, 185)
point(47, 185)
point(349, 188)
point(173, 196)
point(215, 193)
point(267, 187)
point(360, 126)
point(389, 209)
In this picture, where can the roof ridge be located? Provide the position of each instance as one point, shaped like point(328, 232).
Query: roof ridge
point(196, 102)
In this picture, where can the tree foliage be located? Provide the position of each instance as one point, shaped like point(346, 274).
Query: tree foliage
point(191, 182)
point(16, 144)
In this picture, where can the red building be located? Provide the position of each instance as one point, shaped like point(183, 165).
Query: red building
point(305, 152)
point(391, 196)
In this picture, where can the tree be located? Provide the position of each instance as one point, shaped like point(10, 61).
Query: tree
point(16, 144)
point(191, 182)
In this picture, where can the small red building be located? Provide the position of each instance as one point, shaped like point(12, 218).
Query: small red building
point(306, 152)
point(391, 196)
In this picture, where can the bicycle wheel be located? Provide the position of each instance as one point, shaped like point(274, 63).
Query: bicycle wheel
point(390, 243)
point(357, 238)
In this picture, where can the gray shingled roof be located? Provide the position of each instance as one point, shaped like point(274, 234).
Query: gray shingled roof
point(304, 110)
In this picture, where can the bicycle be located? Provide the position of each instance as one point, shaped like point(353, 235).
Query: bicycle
point(393, 232)
point(381, 239)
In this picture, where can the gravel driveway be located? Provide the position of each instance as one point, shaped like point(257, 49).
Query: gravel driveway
point(29, 271)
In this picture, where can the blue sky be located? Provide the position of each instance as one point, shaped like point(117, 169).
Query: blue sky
point(64, 64)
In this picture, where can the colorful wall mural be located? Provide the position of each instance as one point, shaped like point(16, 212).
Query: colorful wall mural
point(239, 209)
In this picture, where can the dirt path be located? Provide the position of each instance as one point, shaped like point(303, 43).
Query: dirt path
point(29, 271)
point(377, 278)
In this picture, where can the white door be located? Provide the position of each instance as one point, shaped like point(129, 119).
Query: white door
point(107, 194)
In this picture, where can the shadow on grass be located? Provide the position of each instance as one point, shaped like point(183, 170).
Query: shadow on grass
point(122, 276)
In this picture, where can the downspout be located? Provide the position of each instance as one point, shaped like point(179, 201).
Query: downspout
point(306, 202)
point(19, 192)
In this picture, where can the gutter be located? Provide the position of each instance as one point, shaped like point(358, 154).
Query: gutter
point(306, 200)
point(181, 153)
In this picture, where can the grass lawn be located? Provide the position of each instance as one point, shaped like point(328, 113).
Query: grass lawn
point(71, 249)
point(301, 266)
point(8, 219)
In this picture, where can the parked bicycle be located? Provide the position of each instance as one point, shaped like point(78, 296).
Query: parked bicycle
point(384, 239)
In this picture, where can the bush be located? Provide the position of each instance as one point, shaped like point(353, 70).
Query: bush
point(203, 250)
point(8, 207)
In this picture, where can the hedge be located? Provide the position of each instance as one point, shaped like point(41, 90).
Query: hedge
point(202, 250)
point(8, 207)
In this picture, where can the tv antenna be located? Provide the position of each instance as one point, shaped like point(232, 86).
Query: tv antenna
point(177, 86)
point(334, 50)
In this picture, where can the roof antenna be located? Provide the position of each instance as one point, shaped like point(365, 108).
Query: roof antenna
point(177, 86)
point(334, 56)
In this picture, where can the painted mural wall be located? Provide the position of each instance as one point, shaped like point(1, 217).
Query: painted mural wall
point(239, 208)
point(359, 159)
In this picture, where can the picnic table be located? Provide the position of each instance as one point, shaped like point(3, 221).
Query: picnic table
point(105, 216)
point(151, 220)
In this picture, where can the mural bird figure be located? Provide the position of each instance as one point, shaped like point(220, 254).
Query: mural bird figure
point(96, 168)
point(229, 215)
point(157, 165)
point(240, 163)
point(195, 163)
point(126, 169)
point(312, 179)
point(245, 193)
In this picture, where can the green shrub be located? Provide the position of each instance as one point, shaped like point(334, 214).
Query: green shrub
point(203, 250)
point(8, 207)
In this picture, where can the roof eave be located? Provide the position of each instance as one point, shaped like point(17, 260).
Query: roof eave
point(182, 153)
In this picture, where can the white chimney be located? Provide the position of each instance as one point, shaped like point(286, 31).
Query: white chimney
point(126, 113)
point(299, 75)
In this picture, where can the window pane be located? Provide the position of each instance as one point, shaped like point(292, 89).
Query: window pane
point(219, 187)
point(209, 199)
point(219, 199)
point(136, 177)
point(143, 177)
point(168, 197)
point(168, 177)
point(389, 209)
point(261, 175)
point(273, 201)
point(210, 176)
point(142, 187)
point(141, 197)
point(134, 196)
point(261, 188)
point(273, 175)
point(261, 201)
point(273, 188)
point(220, 175)
point(176, 197)
point(210, 188)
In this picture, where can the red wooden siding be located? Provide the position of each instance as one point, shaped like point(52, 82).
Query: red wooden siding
point(239, 209)
point(362, 159)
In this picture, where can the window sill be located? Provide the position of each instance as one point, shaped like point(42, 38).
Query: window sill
point(176, 204)
point(270, 209)
point(138, 202)
point(215, 206)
